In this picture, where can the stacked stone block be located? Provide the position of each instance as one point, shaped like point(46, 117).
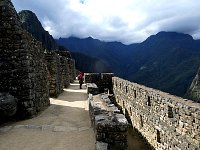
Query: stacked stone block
point(92, 89)
point(102, 80)
point(72, 69)
point(64, 72)
point(8, 106)
point(23, 69)
point(54, 74)
point(109, 125)
point(65, 55)
point(166, 121)
point(92, 78)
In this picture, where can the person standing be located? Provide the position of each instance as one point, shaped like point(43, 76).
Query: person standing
point(80, 78)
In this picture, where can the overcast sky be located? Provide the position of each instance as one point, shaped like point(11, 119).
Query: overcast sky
point(127, 21)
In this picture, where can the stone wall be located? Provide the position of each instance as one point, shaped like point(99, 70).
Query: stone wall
point(64, 72)
point(72, 70)
point(23, 68)
point(54, 74)
point(65, 65)
point(61, 71)
point(166, 121)
point(109, 125)
point(102, 80)
point(27, 72)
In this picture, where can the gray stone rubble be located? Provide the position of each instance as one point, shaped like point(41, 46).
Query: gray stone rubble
point(109, 125)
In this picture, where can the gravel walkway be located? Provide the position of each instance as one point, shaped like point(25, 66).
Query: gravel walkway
point(65, 125)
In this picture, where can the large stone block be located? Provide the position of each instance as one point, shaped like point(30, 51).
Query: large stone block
point(109, 126)
point(8, 105)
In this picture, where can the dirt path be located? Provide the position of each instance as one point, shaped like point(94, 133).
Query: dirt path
point(65, 125)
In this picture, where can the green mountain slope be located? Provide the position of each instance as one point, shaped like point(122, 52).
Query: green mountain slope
point(167, 61)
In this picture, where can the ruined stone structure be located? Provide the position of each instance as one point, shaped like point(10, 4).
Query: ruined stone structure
point(64, 72)
point(23, 68)
point(27, 71)
point(54, 74)
point(68, 67)
point(72, 69)
point(102, 80)
point(8, 106)
point(109, 125)
point(92, 89)
point(60, 71)
point(166, 121)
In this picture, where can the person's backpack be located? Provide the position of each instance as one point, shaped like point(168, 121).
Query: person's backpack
point(80, 77)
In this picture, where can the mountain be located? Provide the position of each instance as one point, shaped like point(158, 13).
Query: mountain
point(31, 24)
point(167, 61)
point(111, 53)
point(88, 64)
point(84, 63)
point(194, 89)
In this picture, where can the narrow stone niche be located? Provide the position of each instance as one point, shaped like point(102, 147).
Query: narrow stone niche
point(170, 112)
point(123, 104)
point(141, 121)
point(126, 89)
point(130, 109)
point(148, 101)
point(158, 136)
point(135, 95)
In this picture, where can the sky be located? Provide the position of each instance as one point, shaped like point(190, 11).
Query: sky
point(126, 21)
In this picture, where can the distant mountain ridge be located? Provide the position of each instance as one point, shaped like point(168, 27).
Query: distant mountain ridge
point(31, 24)
point(108, 52)
point(194, 90)
point(83, 63)
point(167, 61)
point(89, 64)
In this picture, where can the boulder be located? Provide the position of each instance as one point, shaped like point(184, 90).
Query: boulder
point(8, 105)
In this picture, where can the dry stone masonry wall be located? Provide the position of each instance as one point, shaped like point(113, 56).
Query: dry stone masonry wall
point(26, 70)
point(54, 74)
point(65, 65)
point(60, 71)
point(109, 125)
point(167, 122)
point(102, 80)
point(72, 70)
point(23, 69)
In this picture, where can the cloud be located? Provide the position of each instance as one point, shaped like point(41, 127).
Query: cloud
point(128, 21)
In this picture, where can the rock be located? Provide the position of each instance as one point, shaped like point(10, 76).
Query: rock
point(8, 105)
point(101, 145)
point(110, 127)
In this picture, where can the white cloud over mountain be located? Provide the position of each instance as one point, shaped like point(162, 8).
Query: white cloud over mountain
point(127, 21)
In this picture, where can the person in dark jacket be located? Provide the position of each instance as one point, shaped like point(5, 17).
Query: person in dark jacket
point(80, 78)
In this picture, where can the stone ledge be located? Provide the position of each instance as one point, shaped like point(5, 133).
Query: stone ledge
point(92, 88)
point(109, 125)
point(101, 145)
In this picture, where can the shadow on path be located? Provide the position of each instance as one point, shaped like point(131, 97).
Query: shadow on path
point(65, 125)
